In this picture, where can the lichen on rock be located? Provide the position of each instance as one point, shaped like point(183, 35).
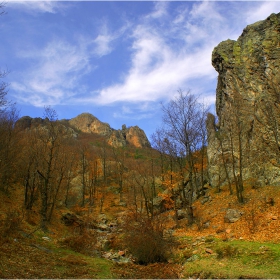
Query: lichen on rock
point(247, 104)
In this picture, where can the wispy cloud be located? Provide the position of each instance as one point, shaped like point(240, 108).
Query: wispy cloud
point(173, 55)
point(102, 44)
point(160, 10)
point(54, 74)
point(262, 11)
point(169, 49)
point(158, 66)
point(36, 6)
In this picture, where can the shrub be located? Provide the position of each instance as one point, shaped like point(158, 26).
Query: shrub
point(82, 243)
point(11, 223)
point(226, 252)
point(145, 240)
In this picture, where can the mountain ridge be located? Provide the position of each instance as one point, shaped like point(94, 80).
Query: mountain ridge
point(88, 123)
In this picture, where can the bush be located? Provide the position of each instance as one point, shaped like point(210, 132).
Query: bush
point(145, 240)
point(82, 243)
point(11, 224)
point(226, 252)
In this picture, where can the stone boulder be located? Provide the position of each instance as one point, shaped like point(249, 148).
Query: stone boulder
point(232, 215)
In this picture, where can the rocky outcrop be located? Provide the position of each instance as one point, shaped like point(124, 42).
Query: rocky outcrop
point(244, 142)
point(89, 124)
point(136, 137)
point(118, 138)
point(28, 123)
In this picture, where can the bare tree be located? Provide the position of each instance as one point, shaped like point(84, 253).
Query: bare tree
point(51, 156)
point(9, 147)
point(183, 120)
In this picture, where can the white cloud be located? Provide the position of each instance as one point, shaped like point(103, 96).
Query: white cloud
point(35, 6)
point(160, 10)
point(102, 43)
point(158, 68)
point(55, 74)
point(179, 53)
point(262, 11)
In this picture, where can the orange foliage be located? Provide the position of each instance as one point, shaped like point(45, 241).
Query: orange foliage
point(260, 220)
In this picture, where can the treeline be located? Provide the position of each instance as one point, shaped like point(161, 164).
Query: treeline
point(55, 166)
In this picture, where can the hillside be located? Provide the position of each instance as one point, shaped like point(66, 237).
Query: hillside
point(80, 199)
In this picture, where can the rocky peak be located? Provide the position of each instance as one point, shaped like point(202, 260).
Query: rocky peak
point(118, 138)
point(136, 137)
point(247, 92)
point(89, 124)
point(249, 65)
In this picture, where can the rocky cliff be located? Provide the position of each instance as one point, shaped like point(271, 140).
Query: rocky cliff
point(88, 123)
point(119, 138)
point(245, 141)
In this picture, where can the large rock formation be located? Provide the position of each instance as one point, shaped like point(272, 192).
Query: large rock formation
point(89, 124)
point(118, 138)
point(246, 140)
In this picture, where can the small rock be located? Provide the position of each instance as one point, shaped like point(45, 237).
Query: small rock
point(46, 238)
point(232, 215)
point(209, 251)
point(181, 214)
point(220, 230)
point(193, 258)
point(228, 230)
point(121, 253)
point(274, 218)
point(206, 225)
point(102, 227)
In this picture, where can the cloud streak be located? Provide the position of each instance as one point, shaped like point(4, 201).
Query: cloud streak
point(36, 6)
point(158, 66)
point(55, 74)
point(168, 49)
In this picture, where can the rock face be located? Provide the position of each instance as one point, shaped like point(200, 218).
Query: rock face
point(136, 137)
point(88, 123)
point(28, 123)
point(245, 140)
point(118, 138)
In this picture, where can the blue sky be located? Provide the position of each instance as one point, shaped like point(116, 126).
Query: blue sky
point(116, 60)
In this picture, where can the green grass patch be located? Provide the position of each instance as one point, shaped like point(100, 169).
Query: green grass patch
point(236, 259)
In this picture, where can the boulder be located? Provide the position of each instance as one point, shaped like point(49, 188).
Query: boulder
point(232, 215)
point(182, 214)
point(70, 219)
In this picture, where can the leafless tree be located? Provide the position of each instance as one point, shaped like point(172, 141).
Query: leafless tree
point(183, 122)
